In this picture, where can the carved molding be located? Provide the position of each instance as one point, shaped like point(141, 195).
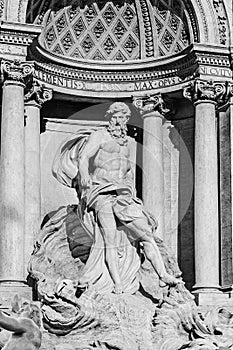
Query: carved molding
point(38, 94)
point(149, 42)
point(8, 37)
point(201, 90)
point(153, 103)
point(17, 71)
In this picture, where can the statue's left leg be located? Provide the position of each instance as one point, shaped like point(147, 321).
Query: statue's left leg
point(142, 232)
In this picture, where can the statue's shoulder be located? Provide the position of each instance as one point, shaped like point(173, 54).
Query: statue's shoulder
point(99, 134)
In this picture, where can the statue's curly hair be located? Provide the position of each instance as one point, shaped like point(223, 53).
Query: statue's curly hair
point(118, 107)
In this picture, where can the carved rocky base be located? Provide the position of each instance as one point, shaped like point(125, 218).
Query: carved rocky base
point(124, 322)
point(82, 317)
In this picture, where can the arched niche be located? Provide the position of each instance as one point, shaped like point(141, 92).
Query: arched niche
point(212, 17)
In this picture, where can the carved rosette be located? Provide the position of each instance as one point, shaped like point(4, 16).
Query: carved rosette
point(38, 94)
point(17, 71)
point(201, 90)
point(153, 103)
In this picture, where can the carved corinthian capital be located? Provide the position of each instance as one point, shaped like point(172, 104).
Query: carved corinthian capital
point(153, 103)
point(200, 90)
point(38, 94)
point(17, 71)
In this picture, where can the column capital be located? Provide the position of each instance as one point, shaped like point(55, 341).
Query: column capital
point(37, 94)
point(16, 71)
point(214, 91)
point(148, 104)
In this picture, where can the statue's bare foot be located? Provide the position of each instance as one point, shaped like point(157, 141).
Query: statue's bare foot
point(169, 280)
point(118, 289)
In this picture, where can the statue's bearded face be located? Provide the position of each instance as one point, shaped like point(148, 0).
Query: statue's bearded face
point(117, 124)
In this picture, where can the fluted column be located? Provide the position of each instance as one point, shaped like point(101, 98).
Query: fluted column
point(153, 109)
point(205, 96)
point(12, 202)
point(35, 97)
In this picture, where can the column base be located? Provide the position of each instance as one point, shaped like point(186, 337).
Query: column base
point(212, 297)
point(9, 289)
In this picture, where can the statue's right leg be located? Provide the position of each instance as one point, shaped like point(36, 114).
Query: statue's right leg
point(142, 232)
point(107, 224)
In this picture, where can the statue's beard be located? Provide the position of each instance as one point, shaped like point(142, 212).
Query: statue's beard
point(119, 130)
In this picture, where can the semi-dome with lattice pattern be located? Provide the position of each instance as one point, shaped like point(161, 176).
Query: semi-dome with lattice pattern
point(118, 30)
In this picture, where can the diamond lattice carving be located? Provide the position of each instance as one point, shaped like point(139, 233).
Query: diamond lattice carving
point(119, 30)
point(184, 36)
point(102, 30)
point(90, 13)
point(87, 44)
point(50, 37)
point(98, 56)
point(129, 45)
point(159, 26)
point(109, 45)
point(167, 40)
point(174, 23)
point(76, 54)
point(171, 25)
point(162, 10)
point(98, 29)
point(177, 48)
point(119, 57)
point(67, 41)
point(136, 30)
point(73, 12)
point(58, 50)
point(109, 14)
point(61, 23)
point(79, 27)
point(128, 15)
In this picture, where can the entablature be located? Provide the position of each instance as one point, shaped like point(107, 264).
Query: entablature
point(116, 81)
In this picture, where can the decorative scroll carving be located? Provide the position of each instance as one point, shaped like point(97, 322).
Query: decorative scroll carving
point(38, 94)
point(2, 4)
point(150, 103)
point(218, 92)
point(222, 20)
point(17, 70)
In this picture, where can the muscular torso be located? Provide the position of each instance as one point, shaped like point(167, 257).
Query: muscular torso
point(112, 161)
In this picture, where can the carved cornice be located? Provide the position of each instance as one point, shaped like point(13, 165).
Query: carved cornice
point(168, 69)
point(153, 103)
point(7, 37)
point(201, 90)
point(38, 94)
point(18, 34)
point(17, 71)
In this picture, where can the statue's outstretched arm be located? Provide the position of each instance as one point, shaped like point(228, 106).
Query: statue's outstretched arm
point(11, 324)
